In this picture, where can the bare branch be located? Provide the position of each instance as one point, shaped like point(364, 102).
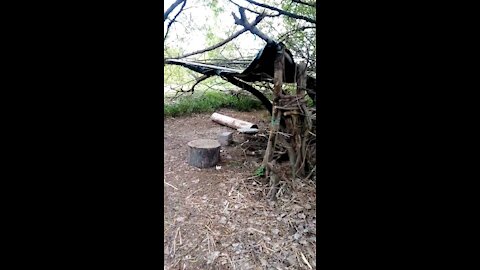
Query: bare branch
point(283, 12)
point(265, 101)
point(171, 8)
point(254, 30)
point(199, 80)
point(180, 91)
point(247, 27)
point(174, 18)
point(304, 3)
point(253, 11)
point(287, 34)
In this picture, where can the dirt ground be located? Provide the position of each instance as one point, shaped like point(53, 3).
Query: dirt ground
point(221, 219)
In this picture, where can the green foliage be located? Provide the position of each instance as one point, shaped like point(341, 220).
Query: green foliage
point(218, 26)
point(260, 171)
point(302, 43)
point(215, 7)
point(300, 9)
point(175, 75)
point(309, 101)
point(209, 102)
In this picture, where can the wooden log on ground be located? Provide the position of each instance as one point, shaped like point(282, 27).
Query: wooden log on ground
point(231, 122)
point(248, 130)
point(203, 153)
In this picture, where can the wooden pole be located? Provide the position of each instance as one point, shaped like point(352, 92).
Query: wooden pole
point(301, 133)
point(279, 68)
point(301, 79)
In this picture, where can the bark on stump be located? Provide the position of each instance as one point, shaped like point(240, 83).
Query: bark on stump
point(203, 153)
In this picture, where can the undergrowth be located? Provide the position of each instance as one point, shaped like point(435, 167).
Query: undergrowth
point(209, 102)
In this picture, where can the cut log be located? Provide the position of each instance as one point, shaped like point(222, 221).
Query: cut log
point(231, 122)
point(225, 138)
point(203, 153)
point(248, 130)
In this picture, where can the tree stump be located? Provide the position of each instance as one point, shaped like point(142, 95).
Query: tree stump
point(203, 153)
point(225, 138)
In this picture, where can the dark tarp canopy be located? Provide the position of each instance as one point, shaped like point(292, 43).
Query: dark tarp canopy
point(261, 69)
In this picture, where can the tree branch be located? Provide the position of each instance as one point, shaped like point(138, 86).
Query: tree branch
point(249, 25)
point(171, 8)
point(283, 12)
point(199, 80)
point(265, 101)
point(174, 18)
point(285, 35)
point(304, 3)
point(253, 11)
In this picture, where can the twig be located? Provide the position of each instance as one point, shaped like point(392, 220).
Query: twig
point(226, 207)
point(208, 229)
point(229, 259)
point(174, 249)
point(284, 134)
point(305, 260)
point(279, 193)
point(193, 193)
point(253, 229)
point(213, 242)
point(208, 243)
point(165, 182)
point(311, 172)
point(175, 240)
point(180, 235)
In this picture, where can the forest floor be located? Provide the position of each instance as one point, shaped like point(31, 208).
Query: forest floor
point(221, 218)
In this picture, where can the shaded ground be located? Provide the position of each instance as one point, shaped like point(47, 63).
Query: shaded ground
point(220, 219)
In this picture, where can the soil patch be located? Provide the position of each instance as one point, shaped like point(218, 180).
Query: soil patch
point(219, 218)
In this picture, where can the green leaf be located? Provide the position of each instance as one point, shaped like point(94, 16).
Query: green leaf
point(260, 171)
